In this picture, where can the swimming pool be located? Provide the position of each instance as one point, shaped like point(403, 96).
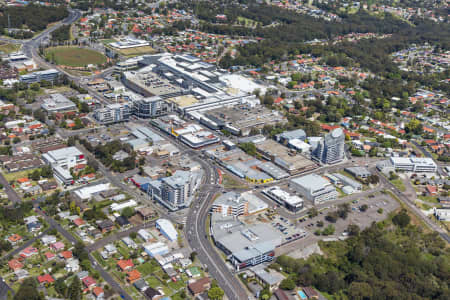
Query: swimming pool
point(302, 295)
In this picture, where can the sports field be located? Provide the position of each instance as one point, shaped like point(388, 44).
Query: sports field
point(136, 51)
point(74, 56)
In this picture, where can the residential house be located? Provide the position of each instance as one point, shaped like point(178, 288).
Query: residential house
point(14, 239)
point(133, 276)
point(125, 264)
point(106, 226)
point(57, 246)
point(89, 282)
point(151, 293)
point(29, 251)
point(141, 285)
point(48, 239)
point(15, 264)
point(21, 274)
point(98, 292)
point(72, 265)
point(66, 255)
point(199, 286)
point(47, 278)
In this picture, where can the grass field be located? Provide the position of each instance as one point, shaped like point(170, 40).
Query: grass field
point(9, 48)
point(398, 184)
point(136, 51)
point(75, 57)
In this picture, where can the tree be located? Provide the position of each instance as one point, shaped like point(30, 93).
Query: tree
point(353, 229)
point(401, 219)
point(312, 212)
point(74, 291)
point(364, 207)
point(332, 216)
point(128, 212)
point(287, 284)
point(216, 293)
point(36, 175)
point(193, 255)
point(28, 290)
point(360, 291)
point(343, 210)
point(329, 230)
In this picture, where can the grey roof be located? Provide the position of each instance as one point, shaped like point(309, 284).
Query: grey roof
point(274, 171)
point(245, 242)
point(311, 182)
point(358, 171)
point(294, 134)
point(144, 132)
point(179, 178)
point(270, 278)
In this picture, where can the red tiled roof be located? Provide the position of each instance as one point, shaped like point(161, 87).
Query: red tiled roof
point(47, 278)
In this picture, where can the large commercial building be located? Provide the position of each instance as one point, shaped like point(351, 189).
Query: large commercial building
point(314, 188)
point(113, 113)
point(47, 75)
point(244, 246)
point(285, 158)
point(58, 103)
point(330, 150)
point(239, 119)
point(65, 157)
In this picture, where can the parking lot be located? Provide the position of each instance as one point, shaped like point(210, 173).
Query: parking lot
point(379, 206)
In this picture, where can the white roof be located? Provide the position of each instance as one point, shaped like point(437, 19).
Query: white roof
point(167, 227)
point(63, 153)
point(86, 192)
point(120, 206)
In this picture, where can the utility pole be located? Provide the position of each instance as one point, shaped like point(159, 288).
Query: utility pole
point(9, 23)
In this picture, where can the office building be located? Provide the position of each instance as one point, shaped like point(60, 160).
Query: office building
point(244, 245)
point(58, 103)
point(413, 164)
point(113, 113)
point(292, 202)
point(238, 204)
point(314, 188)
point(47, 75)
point(330, 150)
point(66, 158)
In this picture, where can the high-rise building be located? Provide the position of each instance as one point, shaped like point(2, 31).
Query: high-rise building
point(330, 150)
point(177, 190)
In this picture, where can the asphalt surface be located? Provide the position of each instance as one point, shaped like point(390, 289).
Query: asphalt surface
point(10, 192)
